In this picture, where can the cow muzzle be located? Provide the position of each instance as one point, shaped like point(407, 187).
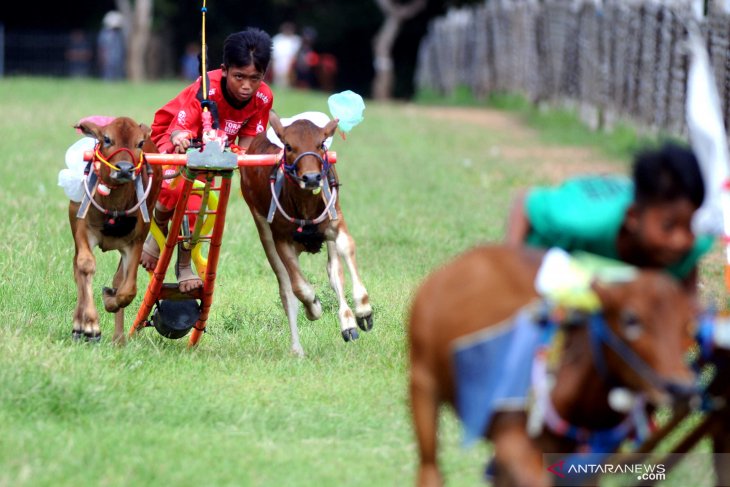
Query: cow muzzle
point(124, 173)
point(311, 180)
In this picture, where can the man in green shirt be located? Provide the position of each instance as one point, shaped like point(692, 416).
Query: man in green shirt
point(645, 222)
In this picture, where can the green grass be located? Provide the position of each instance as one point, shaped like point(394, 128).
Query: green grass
point(238, 410)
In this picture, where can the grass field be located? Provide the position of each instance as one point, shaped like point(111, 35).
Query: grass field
point(418, 187)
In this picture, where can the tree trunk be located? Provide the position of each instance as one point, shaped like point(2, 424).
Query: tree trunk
point(138, 24)
point(395, 15)
point(382, 59)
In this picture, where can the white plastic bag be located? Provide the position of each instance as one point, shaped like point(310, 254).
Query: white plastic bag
point(346, 106)
point(317, 118)
point(71, 179)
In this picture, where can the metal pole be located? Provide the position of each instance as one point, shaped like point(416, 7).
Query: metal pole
point(213, 254)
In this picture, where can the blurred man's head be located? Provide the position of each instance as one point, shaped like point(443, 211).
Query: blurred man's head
point(668, 189)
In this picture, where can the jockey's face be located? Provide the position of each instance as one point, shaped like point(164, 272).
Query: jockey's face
point(664, 231)
point(242, 81)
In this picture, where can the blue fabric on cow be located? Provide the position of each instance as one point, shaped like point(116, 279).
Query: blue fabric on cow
point(493, 369)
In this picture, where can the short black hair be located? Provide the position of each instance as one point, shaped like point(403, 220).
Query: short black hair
point(250, 46)
point(667, 174)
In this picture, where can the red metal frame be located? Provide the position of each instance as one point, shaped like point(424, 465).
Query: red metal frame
point(243, 159)
point(213, 253)
point(156, 289)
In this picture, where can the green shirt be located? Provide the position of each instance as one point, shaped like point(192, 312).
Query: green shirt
point(586, 213)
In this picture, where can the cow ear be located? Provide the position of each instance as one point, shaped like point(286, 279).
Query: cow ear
point(331, 127)
point(89, 129)
point(276, 124)
point(145, 130)
point(149, 146)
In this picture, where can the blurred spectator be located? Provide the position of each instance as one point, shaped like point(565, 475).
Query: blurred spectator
point(110, 45)
point(306, 61)
point(78, 54)
point(327, 72)
point(285, 47)
point(190, 62)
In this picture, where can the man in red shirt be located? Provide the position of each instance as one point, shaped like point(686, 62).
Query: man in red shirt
point(243, 102)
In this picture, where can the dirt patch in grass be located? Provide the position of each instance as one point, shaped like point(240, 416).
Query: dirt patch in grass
point(522, 145)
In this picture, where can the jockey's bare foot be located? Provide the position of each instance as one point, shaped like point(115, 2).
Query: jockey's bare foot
point(150, 254)
point(188, 285)
point(187, 279)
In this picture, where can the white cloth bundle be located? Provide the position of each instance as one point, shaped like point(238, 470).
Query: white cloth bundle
point(71, 179)
point(317, 118)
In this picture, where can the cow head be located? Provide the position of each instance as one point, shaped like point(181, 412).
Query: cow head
point(653, 320)
point(305, 158)
point(119, 150)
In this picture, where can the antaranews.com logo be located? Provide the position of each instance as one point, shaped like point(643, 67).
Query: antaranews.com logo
point(582, 469)
point(696, 469)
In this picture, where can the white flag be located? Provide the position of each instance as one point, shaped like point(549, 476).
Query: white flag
point(709, 140)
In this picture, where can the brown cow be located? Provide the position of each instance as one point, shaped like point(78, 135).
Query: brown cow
point(486, 287)
point(112, 221)
point(302, 222)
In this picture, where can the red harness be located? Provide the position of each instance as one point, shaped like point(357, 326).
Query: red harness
point(99, 158)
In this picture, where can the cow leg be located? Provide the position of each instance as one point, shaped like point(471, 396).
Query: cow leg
point(109, 299)
point(346, 249)
point(82, 300)
point(86, 317)
point(300, 287)
point(519, 462)
point(424, 404)
point(125, 287)
point(336, 273)
point(78, 316)
point(119, 338)
point(108, 295)
point(288, 299)
point(79, 236)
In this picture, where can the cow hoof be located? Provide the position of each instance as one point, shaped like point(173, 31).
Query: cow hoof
point(109, 297)
point(77, 335)
point(315, 312)
point(93, 337)
point(297, 351)
point(350, 334)
point(365, 322)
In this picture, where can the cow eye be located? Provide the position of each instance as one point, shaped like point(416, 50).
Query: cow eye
point(632, 326)
point(107, 140)
point(140, 144)
point(288, 147)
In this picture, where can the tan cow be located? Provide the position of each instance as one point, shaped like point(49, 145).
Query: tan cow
point(487, 287)
point(120, 188)
point(303, 215)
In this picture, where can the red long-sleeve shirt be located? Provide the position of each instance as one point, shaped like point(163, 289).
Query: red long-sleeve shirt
point(185, 113)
